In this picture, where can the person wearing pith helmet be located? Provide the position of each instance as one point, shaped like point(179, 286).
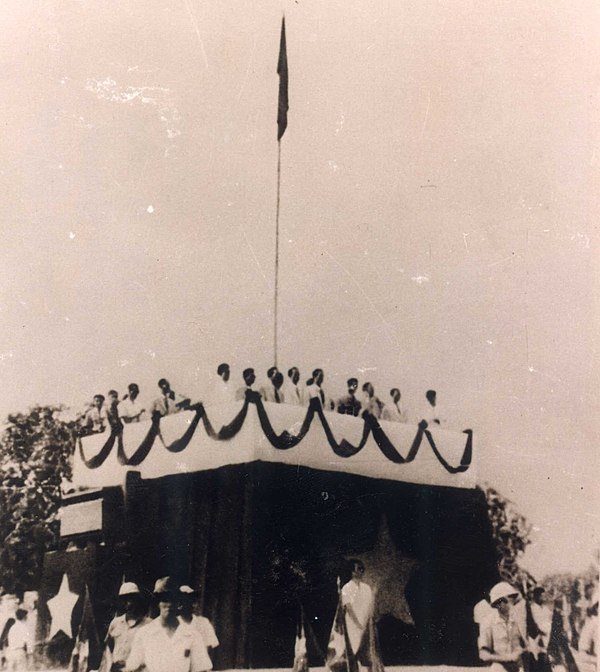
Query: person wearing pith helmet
point(167, 644)
point(188, 599)
point(500, 642)
point(123, 628)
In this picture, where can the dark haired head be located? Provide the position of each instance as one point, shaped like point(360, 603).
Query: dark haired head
point(271, 372)
point(430, 395)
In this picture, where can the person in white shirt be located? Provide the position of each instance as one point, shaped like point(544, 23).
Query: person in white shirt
point(357, 602)
point(123, 629)
point(431, 413)
point(249, 378)
point(95, 420)
point(272, 391)
point(371, 404)
point(292, 391)
point(17, 642)
point(500, 641)
point(221, 391)
point(167, 644)
point(187, 605)
point(130, 409)
point(170, 402)
point(314, 389)
point(393, 412)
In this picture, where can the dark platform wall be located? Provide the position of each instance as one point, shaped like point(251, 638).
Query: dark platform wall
point(260, 540)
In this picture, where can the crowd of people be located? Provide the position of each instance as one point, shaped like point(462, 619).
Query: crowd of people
point(111, 411)
point(528, 634)
point(177, 639)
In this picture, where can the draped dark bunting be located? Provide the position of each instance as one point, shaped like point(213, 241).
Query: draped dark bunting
point(282, 441)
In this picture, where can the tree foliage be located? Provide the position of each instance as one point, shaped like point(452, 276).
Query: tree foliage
point(35, 456)
point(511, 533)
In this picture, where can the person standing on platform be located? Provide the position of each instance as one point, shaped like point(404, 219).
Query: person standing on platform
point(292, 391)
point(349, 404)
point(187, 603)
point(272, 391)
point(431, 413)
point(167, 644)
point(249, 378)
point(221, 391)
point(95, 420)
point(372, 404)
point(314, 388)
point(123, 628)
point(112, 410)
point(170, 401)
point(393, 412)
point(130, 409)
point(500, 641)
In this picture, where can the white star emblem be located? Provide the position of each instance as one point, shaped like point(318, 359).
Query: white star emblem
point(61, 609)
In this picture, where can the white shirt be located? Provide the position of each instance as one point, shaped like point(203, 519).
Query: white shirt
point(168, 406)
point(18, 636)
point(184, 651)
point(221, 392)
point(359, 596)
point(206, 630)
point(292, 393)
point(130, 409)
point(391, 413)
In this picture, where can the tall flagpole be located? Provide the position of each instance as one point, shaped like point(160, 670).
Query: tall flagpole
point(282, 110)
point(275, 350)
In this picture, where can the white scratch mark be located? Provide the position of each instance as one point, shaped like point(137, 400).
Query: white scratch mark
point(196, 30)
point(333, 166)
point(253, 253)
point(490, 342)
point(150, 353)
point(155, 96)
point(6, 355)
point(71, 235)
point(420, 279)
point(465, 241)
point(150, 209)
point(123, 362)
point(366, 369)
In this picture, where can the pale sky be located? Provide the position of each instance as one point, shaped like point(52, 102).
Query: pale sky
point(439, 215)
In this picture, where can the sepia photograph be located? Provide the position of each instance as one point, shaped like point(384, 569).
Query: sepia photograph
point(299, 340)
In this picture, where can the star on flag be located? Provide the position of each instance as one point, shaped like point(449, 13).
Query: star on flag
point(61, 609)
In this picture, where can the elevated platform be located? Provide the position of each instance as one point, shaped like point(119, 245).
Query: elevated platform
point(255, 431)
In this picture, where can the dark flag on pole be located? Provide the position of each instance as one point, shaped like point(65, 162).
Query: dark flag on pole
point(282, 71)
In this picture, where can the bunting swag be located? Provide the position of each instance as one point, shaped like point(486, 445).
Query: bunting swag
point(465, 461)
point(282, 441)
